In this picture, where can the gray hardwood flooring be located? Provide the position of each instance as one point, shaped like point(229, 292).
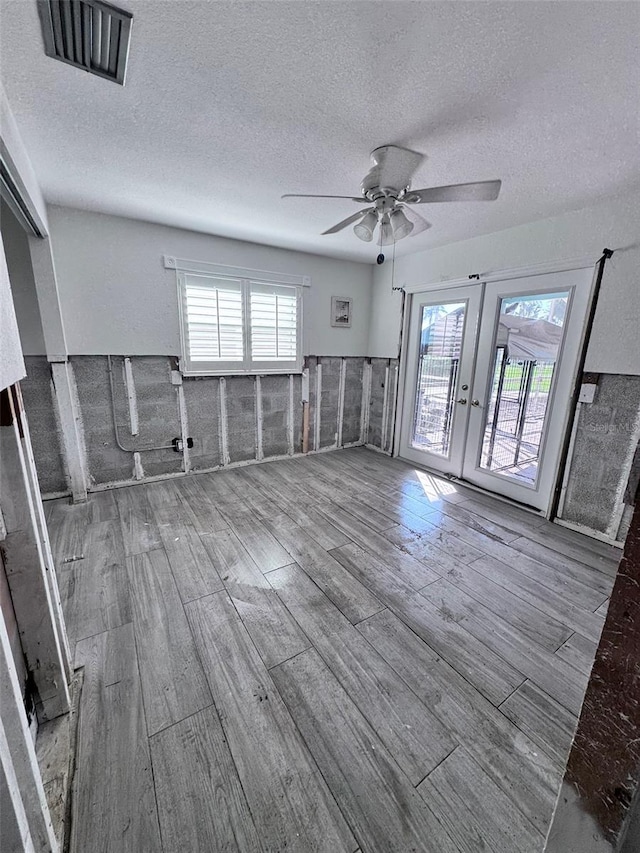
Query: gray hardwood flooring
point(331, 653)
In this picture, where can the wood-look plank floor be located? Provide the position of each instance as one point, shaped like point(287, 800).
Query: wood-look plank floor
point(331, 653)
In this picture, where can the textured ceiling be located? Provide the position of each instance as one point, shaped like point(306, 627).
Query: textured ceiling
point(229, 104)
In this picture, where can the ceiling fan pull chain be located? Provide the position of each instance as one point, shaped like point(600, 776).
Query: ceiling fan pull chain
point(393, 265)
point(380, 258)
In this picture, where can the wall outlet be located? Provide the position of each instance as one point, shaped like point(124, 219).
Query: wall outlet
point(587, 393)
point(178, 444)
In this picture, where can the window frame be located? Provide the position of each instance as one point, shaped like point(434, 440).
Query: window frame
point(248, 366)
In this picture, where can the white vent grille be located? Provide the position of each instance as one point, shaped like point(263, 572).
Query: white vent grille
point(89, 34)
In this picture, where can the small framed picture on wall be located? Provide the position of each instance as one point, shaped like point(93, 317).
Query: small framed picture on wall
point(341, 311)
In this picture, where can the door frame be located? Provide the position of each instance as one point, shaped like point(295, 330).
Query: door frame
point(588, 262)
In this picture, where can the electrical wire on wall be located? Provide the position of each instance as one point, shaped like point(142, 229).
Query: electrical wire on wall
point(115, 421)
point(573, 402)
point(404, 296)
point(400, 341)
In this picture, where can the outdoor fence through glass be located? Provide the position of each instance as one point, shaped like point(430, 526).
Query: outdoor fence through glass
point(527, 344)
point(440, 344)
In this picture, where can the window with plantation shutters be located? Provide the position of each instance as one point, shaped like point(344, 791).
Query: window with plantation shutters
point(213, 322)
point(237, 325)
point(273, 322)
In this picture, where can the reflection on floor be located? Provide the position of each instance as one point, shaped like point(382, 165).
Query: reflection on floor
point(322, 654)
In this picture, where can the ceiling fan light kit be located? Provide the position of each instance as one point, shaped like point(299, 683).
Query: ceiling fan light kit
point(400, 225)
point(387, 186)
point(367, 225)
point(386, 233)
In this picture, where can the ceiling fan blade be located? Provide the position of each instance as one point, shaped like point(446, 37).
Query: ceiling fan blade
point(392, 167)
point(348, 197)
point(479, 191)
point(347, 221)
point(420, 224)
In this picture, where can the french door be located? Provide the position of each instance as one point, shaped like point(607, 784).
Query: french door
point(489, 373)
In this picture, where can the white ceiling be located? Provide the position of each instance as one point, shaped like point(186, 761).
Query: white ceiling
point(227, 105)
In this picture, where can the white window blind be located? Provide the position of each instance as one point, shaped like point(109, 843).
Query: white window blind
point(214, 326)
point(274, 322)
point(239, 326)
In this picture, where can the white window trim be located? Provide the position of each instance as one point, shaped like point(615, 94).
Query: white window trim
point(245, 277)
point(262, 276)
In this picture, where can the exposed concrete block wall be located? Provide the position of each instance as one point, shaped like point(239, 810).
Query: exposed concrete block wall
point(158, 412)
point(37, 393)
point(388, 425)
point(605, 443)
point(352, 400)
point(241, 418)
point(158, 416)
point(329, 401)
point(296, 413)
point(202, 400)
point(107, 463)
point(384, 373)
point(281, 403)
point(376, 400)
point(277, 411)
point(311, 363)
point(338, 419)
point(231, 420)
point(263, 419)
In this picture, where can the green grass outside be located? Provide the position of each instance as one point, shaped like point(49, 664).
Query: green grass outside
point(437, 369)
point(541, 379)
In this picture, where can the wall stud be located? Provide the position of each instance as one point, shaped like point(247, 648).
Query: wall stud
point(385, 410)
point(224, 436)
point(184, 429)
point(131, 396)
point(366, 401)
point(259, 450)
point(316, 431)
point(341, 389)
point(290, 418)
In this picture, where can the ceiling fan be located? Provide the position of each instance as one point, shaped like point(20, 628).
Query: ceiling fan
point(387, 187)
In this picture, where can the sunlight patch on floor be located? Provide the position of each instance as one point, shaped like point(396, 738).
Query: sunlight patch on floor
point(434, 488)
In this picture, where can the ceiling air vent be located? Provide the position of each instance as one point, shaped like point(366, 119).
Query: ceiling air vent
point(89, 34)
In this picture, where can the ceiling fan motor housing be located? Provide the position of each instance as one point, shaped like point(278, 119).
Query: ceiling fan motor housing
point(384, 203)
point(371, 189)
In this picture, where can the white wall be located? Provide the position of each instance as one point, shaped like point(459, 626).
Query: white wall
point(23, 286)
point(615, 342)
point(117, 298)
point(22, 171)
point(11, 361)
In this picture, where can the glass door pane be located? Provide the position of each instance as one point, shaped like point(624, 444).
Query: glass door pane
point(441, 331)
point(527, 348)
point(440, 345)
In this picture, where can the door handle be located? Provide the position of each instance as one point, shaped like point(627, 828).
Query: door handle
point(475, 402)
point(462, 401)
